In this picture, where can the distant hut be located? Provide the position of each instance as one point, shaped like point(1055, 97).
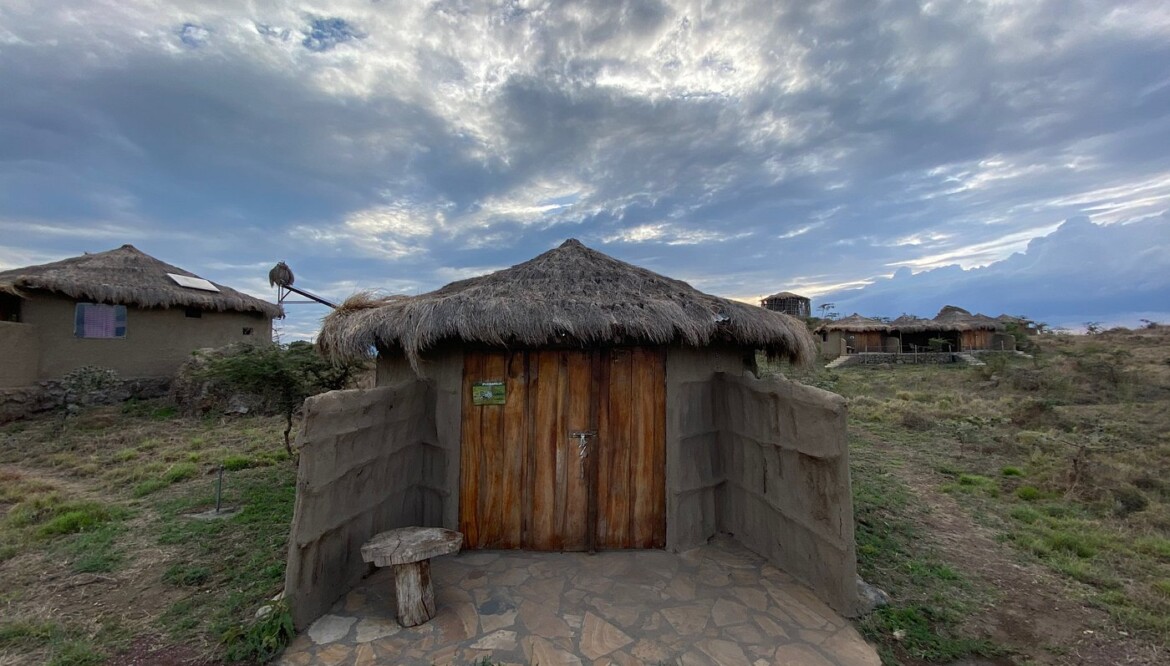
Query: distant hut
point(788, 303)
point(966, 331)
point(571, 402)
point(121, 309)
point(911, 334)
point(851, 335)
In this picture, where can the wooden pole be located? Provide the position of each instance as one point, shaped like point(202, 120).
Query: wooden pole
point(413, 592)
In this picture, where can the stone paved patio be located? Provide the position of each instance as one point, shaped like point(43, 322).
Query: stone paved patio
point(719, 604)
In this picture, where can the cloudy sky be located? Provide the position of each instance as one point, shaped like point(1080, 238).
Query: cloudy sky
point(924, 152)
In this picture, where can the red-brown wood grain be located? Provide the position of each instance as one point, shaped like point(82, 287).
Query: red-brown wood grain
point(523, 481)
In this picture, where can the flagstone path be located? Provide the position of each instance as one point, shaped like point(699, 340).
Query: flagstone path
point(718, 604)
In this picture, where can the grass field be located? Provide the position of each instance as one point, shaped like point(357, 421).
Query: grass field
point(100, 553)
point(989, 497)
point(1017, 512)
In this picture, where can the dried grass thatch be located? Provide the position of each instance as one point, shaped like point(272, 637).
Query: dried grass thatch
point(784, 295)
point(854, 323)
point(912, 324)
point(130, 277)
point(949, 319)
point(571, 295)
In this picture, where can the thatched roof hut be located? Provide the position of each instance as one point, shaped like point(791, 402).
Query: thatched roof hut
point(571, 402)
point(954, 318)
point(123, 310)
point(571, 295)
point(128, 276)
point(788, 303)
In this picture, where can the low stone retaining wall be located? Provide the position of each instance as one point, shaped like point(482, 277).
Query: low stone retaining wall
point(875, 358)
point(26, 401)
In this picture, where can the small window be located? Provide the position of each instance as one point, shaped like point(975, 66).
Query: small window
point(194, 313)
point(9, 308)
point(247, 330)
point(97, 321)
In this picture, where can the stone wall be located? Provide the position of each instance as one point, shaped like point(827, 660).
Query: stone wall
point(20, 351)
point(879, 358)
point(25, 401)
point(368, 463)
point(787, 492)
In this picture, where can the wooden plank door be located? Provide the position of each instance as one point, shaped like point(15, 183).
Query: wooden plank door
point(524, 483)
point(631, 449)
point(559, 388)
point(492, 460)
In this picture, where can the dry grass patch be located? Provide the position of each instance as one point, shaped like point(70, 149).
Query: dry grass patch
point(98, 549)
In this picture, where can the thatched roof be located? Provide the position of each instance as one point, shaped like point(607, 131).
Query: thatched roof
point(127, 276)
point(570, 295)
point(785, 294)
point(854, 323)
point(912, 324)
point(954, 318)
point(950, 318)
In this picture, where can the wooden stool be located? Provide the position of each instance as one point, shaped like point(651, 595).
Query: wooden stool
point(409, 550)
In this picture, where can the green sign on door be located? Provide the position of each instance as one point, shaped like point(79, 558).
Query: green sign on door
point(487, 393)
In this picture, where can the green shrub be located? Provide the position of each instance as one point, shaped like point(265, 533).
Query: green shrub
point(1152, 545)
point(180, 472)
point(1129, 500)
point(282, 376)
point(1029, 493)
point(1025, 514)
point(149, 486)
point(1070, 543)
point(76, 653)
point(1011, 471)
point(235, 463)
point(164, 413)
point(1162, 587)
point(262, 639)
point(77, 519)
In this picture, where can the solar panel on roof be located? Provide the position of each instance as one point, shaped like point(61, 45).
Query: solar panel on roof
point(193, 282)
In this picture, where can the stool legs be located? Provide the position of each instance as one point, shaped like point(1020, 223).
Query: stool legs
point(413, 591)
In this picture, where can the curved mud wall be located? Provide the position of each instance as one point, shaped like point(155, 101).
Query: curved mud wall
point(368, 463)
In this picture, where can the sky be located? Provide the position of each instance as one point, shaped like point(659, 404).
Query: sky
point(886, 157)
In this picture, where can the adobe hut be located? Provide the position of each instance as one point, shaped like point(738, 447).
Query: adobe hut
point(120, 309)
point(911, 334)
point(851, 335)
point(571, 402)
point(788, 303)
point(952, 330)
point(966, 331)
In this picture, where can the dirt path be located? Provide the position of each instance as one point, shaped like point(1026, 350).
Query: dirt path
point(1038, 614)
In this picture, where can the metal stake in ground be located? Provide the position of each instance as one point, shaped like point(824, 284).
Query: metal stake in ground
point(219, 488)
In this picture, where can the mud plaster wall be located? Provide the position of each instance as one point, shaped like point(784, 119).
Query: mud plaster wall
point(787, 492)
point(157, 342)
point(369, 462)
point(694, 465)
point(20, 349)
point(443, 372)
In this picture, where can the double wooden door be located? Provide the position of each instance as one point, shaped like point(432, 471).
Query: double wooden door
point(575, 456)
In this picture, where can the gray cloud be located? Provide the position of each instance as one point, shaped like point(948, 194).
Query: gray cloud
point(761, 147)
point(1065, 277)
